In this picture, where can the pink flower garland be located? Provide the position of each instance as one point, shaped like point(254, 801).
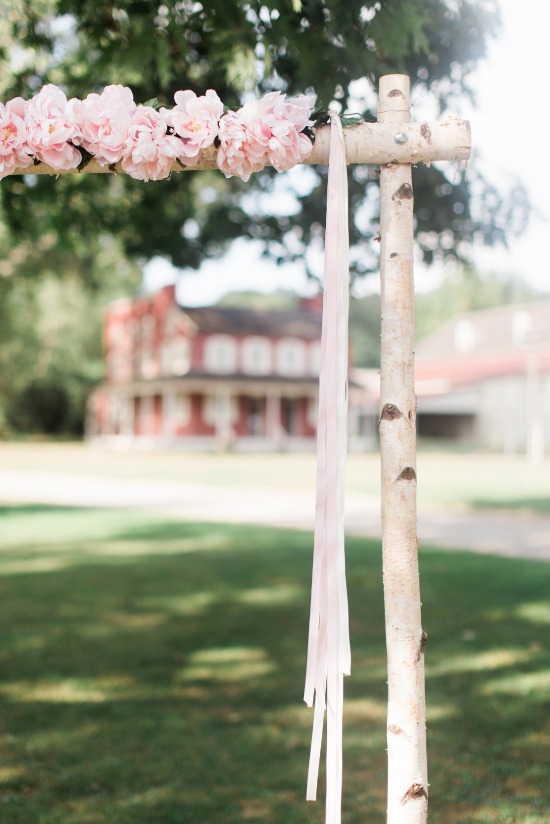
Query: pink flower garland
point(112, 128)
point(14, 151)
point(264, 131)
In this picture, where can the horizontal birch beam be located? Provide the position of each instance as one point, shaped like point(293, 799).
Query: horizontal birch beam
point(377, 143)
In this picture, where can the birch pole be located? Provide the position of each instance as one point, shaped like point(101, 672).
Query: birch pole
point(405, 639)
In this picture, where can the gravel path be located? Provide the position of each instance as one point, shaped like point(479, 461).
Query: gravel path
point(513, 535)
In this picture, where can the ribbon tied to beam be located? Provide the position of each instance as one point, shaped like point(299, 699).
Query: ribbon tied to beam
point(329, 657)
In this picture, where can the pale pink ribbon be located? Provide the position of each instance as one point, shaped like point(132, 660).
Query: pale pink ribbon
point(329, 657)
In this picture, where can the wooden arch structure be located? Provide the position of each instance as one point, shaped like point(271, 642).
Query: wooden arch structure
point(395, 144)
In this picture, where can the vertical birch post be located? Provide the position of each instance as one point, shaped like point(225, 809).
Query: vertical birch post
point(405, 640)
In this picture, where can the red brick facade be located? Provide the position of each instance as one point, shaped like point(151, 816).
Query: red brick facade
point(210, 375)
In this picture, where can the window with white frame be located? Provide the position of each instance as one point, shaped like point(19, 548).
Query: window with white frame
point(220, 354)
point(182, 410)
point(314, 357)
point(173, 322)
point(118, 367)
point(522, 324)
point(291, 357)
point(464, 335)
point(166, 358)
point(148, 366)
point(256, 355)
point(116, 333)
point(148, 324)
point(175, 356)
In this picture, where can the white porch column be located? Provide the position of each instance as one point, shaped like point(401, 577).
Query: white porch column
point(535, 422)
point(223, 422)
point(129, 416)
point(273, 428)
point(168, 412)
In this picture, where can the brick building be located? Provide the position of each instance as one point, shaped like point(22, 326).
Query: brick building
point(208, 377)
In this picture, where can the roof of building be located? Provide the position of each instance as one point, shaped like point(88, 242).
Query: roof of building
point(490, 330)
point(298, 323)
point(478, 345)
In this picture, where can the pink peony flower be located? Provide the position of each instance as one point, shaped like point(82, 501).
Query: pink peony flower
point(149, 151)
point(104, 120)
point(196, 121)
point(298, 111)
point(264, 131)
point(14, 152)
point(286, 119)
point(284, 153)
point(50, 127)
point(239, 154)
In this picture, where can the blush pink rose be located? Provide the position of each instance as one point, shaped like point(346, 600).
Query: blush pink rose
point(149, 151)
point(239, 154)
point(104, 120)
point(50, 127)
point(262, 132)
point(298, 111)
point(244, 140)
point(286, 119)
point(196, 121)
point(14, 152)
point(286, 152)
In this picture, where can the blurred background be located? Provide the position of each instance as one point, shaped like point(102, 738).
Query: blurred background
point(159, 355)
point(71, 246)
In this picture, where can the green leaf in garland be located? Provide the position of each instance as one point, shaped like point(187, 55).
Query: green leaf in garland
point(351, 119)
point(320, 117)
point(153, 103)
point(86, 158)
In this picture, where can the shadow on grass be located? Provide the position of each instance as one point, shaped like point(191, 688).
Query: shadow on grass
point(152, 673)
point(10, 510)
point(532, 505)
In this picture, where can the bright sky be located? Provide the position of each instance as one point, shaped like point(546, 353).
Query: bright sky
point(511, 135)
point(511, 129)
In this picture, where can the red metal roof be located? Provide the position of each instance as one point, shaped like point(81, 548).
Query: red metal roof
point(475, 367)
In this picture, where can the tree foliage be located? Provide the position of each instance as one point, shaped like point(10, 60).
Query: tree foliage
point(242, 49)
point(50, 344)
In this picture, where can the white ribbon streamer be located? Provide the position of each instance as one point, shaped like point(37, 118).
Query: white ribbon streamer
point(329, 657)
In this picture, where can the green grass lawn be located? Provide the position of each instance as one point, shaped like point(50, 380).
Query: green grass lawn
point(152, 673)
point(445, 478)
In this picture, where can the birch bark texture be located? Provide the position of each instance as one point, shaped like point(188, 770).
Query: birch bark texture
point(405, 639)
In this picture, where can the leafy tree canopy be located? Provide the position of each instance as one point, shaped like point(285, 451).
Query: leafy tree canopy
point(240, 49)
